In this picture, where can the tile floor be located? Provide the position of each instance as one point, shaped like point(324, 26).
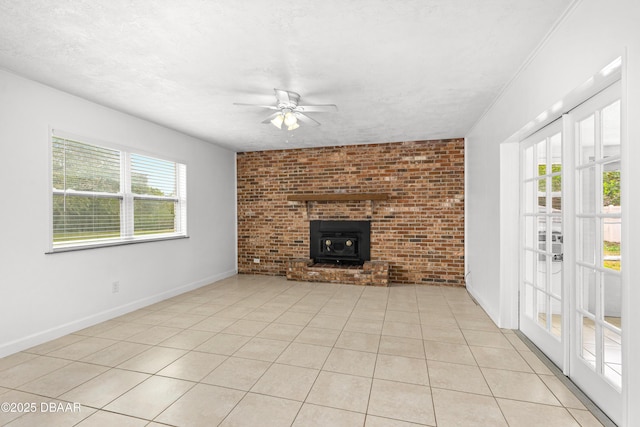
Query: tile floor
point(262, 351)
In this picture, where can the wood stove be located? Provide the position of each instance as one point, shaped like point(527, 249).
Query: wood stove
point(340, 242)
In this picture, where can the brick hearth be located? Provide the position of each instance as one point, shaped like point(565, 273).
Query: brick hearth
point(372, 273)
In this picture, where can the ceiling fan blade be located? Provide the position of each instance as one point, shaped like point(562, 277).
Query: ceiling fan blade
point(287, 97)
point(326, 108)
point(271, 117)
point(306, 119)
point(282, 96)
point(270, 107)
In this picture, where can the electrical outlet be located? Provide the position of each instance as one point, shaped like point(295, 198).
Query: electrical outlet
point(256, 260)
point(115, 287)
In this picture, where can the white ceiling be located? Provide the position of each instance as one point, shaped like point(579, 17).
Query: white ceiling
point(397, 70)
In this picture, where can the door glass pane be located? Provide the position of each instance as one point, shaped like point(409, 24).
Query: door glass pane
point(556, 278)
point(587, 280)
point(613, 357)
point(541, 149)
point(587, 204)
point(542, 234)
point(542, 186)
point(611, 184)
point(530, 238)
point(611, 205)
point(557, 238)
point(541, 279)
point(612, 295)
point(611, 130)
point(556, 319)
point(542, 195)
point(588, 347)
point(556, 194)
point(586, 138)
point(556, 169)
point(586, 240)
point(611, 243)
point(542, 308)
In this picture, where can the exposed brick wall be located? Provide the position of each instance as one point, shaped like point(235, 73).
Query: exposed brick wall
point(419, 230)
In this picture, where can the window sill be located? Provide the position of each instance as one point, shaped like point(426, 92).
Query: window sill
point(107, 244)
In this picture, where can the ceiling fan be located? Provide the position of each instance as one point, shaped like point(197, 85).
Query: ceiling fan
point(289, 113)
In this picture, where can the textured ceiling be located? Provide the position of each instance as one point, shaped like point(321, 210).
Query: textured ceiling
point(397, 70)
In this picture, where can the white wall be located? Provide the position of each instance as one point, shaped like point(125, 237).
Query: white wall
point(592, 35)
point(45, 296)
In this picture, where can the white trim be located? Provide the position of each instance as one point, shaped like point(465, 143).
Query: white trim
point(569, 232)
point(48, 184)
point(77, 325)
point(181, 186)
point(625, 187)
point(235, 212)
point(467, 273)
point(509, 227)
point(126, 209)
point(495, 317)
point(106, 243)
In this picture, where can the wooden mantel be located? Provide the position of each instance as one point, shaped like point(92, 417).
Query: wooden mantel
point(336, 197)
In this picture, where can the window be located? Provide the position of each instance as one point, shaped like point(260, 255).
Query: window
point(105, 196)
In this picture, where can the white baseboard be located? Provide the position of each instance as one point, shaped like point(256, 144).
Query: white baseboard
point(79, 324)
point(494, 316)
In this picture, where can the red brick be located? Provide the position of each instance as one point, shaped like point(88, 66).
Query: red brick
point(418, 231)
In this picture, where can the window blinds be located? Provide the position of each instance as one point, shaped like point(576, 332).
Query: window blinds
point(102, 195)
point(153, 185)
point(86, 191)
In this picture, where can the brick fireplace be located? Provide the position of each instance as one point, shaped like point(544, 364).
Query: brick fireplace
point(417, 228)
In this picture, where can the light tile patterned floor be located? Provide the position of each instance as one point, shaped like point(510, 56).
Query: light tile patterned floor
point(263, 351)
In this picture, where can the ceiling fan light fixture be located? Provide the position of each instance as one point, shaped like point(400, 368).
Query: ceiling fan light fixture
point(277, 120)
point(290, 119)
point(290, 113)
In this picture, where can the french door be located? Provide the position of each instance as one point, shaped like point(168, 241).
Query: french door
point(596, 363)
point(570, 257)
point(541, 290)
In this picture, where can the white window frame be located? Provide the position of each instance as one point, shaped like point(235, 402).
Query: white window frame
point(125, 195)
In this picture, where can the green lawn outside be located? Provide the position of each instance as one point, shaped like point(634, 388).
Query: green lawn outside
point(611, 249)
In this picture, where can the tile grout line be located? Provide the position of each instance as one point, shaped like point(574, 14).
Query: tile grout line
point(375, 364)
point(495, 399)
point(246, 392)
